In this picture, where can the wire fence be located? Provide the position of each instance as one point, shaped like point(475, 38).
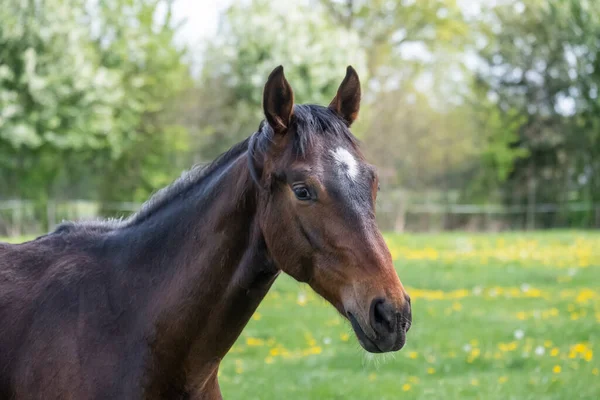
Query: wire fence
point(488, 217)
point(394, 213)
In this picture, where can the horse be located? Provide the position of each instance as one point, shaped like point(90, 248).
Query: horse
point(147, 307)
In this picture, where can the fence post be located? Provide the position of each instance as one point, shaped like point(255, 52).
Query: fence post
point(531, 189)
point(400, 218)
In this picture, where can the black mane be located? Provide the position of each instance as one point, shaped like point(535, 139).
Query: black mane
point(310, 121)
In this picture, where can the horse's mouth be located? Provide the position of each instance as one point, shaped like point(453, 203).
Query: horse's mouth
point(365, 341)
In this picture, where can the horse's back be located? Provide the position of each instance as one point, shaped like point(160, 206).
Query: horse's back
point(54, 312)
point(23, 270)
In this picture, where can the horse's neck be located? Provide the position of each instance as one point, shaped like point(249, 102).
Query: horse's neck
point(214, 270)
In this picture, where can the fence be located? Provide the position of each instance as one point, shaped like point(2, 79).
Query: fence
point(490, 217)
point(24, 217)
point(21, 217)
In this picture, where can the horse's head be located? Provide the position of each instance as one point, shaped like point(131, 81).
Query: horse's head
point(317, 210)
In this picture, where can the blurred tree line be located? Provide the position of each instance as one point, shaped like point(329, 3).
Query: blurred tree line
point(474, 102)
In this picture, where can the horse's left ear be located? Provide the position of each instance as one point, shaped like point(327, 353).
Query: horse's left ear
point(346, 102)
point(278, 101)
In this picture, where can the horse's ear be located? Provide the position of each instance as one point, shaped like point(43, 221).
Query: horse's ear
point(278, 101)
point(346, 102)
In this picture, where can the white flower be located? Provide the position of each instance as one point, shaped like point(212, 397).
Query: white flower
point(519, 334)
point(301, 299)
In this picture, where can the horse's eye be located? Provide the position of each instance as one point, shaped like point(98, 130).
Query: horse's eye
point(302, 193)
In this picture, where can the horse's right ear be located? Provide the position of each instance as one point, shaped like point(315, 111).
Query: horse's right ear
point(278, 101)
point(346, 102)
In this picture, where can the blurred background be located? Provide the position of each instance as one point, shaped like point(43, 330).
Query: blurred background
point(482, 116)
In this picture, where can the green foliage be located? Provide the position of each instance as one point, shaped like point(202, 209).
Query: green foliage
point(542, 69)
point(54, 94)
point(253, 39)
point(87, 87)
point(132, 39)
point(500, 103)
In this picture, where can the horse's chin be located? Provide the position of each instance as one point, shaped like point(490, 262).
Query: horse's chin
point(367, 343)
point(371, 345)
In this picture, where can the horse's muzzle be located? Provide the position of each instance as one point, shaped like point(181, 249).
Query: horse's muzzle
point(387, 326)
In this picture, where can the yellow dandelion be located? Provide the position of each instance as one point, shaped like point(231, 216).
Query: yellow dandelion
point(269, 360)
point(502, 379)
point(554, 352)
point(312, 350)
point(596, 371)
point(372, 377)
point(254, 342)
point(431, 371)
point(256, 316)
point(413, 355)
point(557, 369)
point(406, 387)
point(579, 348)
point(574, 316)
point(588, 355)
point(275, 351)
point(344, 337)
point(474, 382)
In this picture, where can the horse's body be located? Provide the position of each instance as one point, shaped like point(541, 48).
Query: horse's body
point(146, 308)
point(143, 310)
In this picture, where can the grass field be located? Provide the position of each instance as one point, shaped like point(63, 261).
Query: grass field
point(510, 316)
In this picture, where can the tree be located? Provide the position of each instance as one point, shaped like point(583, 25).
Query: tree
point(134, 39)
point(254, 37)
point(55, 97)
point(86, 99)
point(542, 61)
point(418, 82)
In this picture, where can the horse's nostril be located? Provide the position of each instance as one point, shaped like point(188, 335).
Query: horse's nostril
point(382, 316)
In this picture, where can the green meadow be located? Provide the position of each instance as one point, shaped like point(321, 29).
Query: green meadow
point(495, 316)
point(507, 316)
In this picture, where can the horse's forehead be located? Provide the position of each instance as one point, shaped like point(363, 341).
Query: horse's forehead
point(348, 178)
point(345, 163)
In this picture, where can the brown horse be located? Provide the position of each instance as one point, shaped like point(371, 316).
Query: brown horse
point(147, 308)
